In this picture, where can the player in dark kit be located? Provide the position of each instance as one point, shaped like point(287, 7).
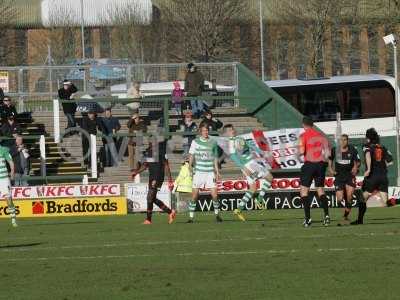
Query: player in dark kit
point(377, 159)
point(157, 166)
point(314, 146)
point(347, 162)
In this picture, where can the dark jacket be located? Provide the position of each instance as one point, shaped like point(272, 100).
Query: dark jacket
point(109, 124)
point(91, 126)
point(6, 111)
point(189, 130)
point(194, 83)
point(132, 126)
point(9, 130)
point(1, 94)
point(213, 125)
point(68, 108)
point(22, 164)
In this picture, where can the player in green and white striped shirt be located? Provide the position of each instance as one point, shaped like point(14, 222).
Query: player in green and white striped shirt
point(204, 160)
point(5, 185)
point(242, 154)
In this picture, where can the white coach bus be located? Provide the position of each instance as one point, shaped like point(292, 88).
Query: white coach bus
point(364, 101)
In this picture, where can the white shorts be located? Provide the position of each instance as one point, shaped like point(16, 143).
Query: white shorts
point(5, 187)
point(257, 170)
point(204, 180)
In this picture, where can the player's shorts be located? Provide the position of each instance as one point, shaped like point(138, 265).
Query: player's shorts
point(204, 180)
point(313, 171)
point(341, 182)
point(376, 183)
point(258, 170)
point(5, 187)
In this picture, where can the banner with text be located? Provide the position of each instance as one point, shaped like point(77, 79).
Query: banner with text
point(65, 191)
point(66, 207)
point(136, 195)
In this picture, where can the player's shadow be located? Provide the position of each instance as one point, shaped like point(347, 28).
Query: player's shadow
point(20, 245)
point(66, 223)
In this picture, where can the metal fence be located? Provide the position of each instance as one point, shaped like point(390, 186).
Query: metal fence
point(33, 87)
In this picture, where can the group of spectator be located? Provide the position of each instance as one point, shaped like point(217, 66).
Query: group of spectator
point(10, 131)
point(109, 125)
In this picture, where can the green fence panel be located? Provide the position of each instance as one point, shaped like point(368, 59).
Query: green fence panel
point(270, 108)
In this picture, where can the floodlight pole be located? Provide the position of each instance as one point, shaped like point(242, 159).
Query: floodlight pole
point(262, 42)
point(82, 32)
point(396, 93)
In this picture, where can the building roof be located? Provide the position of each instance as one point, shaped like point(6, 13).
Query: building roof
point(54, 13)
point(42, 13)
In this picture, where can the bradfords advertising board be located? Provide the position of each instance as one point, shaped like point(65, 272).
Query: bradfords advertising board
point(136, 195)
point(67, 207)
point(66, 191)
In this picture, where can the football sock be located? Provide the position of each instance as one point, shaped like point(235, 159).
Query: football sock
point(216, 206)
point(161, 205)
point(149, 210)
point(347, 209)
point(246, 198)
point(323, 199)
point(11, 207)
point(362, 208)
point(265, 187)
point(192, 208)
point(307, 207)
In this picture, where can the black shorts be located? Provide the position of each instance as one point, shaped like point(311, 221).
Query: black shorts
point(156, 173)
point(376, 183)
point(313, 171)
point(158, 182)
point(341, 182)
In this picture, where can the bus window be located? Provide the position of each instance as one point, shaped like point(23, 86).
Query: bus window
point(354, 100)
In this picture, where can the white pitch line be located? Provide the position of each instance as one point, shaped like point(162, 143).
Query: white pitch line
point(220, 253)
point(177, 242)
point(114, 245)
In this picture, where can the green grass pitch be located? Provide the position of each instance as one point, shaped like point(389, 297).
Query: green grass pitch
point(118, 258)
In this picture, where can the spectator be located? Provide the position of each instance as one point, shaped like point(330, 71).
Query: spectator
point(183, 187)
point(11, 130)
point(194, 83)
point(1, 94)
point(111, 126)
point(135, 125)
point(189, 127)
point(177, 97)
point(134, 93)
point(7, 109)
point(213, 124)
point(67, 92)
point(90, 124)
point(21, 158)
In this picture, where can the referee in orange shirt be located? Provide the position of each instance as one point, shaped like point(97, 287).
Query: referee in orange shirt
point(315, 148)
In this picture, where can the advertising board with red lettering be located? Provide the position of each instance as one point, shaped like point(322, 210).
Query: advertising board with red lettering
point(278, 184)
point(66, 191)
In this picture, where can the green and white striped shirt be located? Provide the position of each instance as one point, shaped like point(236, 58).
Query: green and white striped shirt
point(205, 152)
point(4, 157)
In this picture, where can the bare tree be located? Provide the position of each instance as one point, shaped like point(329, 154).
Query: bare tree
point(59, 38)
point(7, 16)
point(132, 38)
point(315, 22)
point(201, 30)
